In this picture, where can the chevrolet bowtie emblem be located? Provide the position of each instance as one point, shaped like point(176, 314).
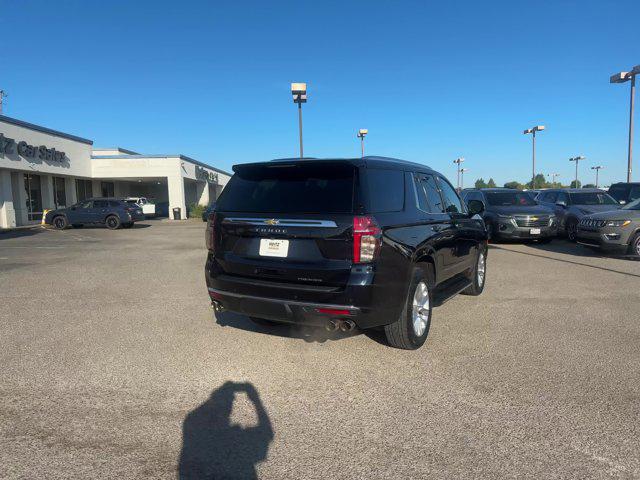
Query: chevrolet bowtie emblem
point(534, 218)
point(272, 221)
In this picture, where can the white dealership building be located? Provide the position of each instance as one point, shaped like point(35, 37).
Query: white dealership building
point(41, 169)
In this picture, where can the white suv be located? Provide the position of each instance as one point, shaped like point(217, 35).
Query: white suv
point(148, 208)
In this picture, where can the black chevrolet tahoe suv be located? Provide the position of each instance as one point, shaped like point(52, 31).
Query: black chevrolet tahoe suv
point(343, 243)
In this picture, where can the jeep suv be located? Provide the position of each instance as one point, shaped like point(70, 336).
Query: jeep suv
point(343, 243)
point(570, 205)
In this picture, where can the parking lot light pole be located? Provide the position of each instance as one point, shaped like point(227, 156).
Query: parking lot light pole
point(458, 161)
point(532, 131)
point(553, 177)
point(597, 168)
point(361, 134)
point(622, 77)
point(299, 92)
point(577, 160)
point(462, 170)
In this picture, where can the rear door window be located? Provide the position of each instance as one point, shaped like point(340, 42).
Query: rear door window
point(451, 200)
point(383, 190)
point(429, 198)
point(316, 187)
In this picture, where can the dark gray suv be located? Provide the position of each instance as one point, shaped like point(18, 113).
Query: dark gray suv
point(617, 231)
point(570, 205)
point(111, 212)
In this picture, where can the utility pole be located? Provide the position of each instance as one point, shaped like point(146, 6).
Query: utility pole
point(458, 161)
point(577, 160)
point(462, 170)
point(3, 95)
point(361, 134)
point(597, 169)
point(623, 77)
point(532, 131)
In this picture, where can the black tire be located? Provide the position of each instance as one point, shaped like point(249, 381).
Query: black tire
point(477, 285)
point(60, 222)
point(263, 322)
point(634, 245)
point(112, 222)
point(401, 333)
point(572, 229)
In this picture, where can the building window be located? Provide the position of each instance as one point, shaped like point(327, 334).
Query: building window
point(34, 197)
point(59, 192)
point(107, 189)
point(83, 189)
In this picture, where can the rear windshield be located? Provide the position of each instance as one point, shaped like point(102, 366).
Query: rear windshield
point(507, 199)
point(592, 198)
point(312, 188)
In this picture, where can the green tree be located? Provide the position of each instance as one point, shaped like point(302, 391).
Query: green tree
point(491, 183)
point(513, 184)
point(575, 184)
point(480, 183)
point(589, 185)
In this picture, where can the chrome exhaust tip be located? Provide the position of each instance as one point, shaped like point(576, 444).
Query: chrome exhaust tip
point(217, 306)
point(331, 325)
point(347, 325)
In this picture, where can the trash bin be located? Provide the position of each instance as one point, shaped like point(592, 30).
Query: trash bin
point(176, 213)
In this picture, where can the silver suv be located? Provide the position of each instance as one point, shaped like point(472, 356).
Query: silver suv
point(617, 231)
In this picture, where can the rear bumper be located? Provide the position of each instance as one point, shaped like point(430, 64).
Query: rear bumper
point(281, 310)
point(299, 303)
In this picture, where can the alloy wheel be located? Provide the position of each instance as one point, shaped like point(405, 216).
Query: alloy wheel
point(420, 310)
point(636, 246)
point(482, 267)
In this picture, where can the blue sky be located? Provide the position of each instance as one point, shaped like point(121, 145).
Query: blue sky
point(431, 81)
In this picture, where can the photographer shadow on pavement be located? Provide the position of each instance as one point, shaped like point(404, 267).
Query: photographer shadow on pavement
point(213, 447)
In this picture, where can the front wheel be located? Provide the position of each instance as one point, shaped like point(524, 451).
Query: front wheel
point(410, 331)
point(478, 275)
point(112, 222)
point(60, 222)
point(634, 246)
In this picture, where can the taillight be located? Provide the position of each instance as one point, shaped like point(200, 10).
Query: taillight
point(210, 235)
point(366, 239)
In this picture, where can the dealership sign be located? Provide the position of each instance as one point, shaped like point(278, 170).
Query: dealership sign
point(8, 146)
point(206, 175)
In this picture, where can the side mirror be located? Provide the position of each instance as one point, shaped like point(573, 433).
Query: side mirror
point(476, 207)
point(561, 203)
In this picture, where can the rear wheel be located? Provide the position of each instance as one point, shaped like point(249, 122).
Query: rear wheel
point(60, 222)
point(479, 275)
point(634, 246)
point(572, 229)
point(112, 222)
point(410, 331)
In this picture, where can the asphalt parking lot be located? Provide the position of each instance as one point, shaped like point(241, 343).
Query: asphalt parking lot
point(109, 350)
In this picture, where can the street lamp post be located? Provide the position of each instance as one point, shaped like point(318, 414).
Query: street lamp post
point(462, 170)
point(577, 160)
point(553, 177)
point(458, 161)
point(532, 131)
point(361, 134)
point(623, 77)
point(597, 168)
point(299, 92)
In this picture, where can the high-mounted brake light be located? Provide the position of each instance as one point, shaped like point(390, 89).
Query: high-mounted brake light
point(210, 235)
point(366, 239)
